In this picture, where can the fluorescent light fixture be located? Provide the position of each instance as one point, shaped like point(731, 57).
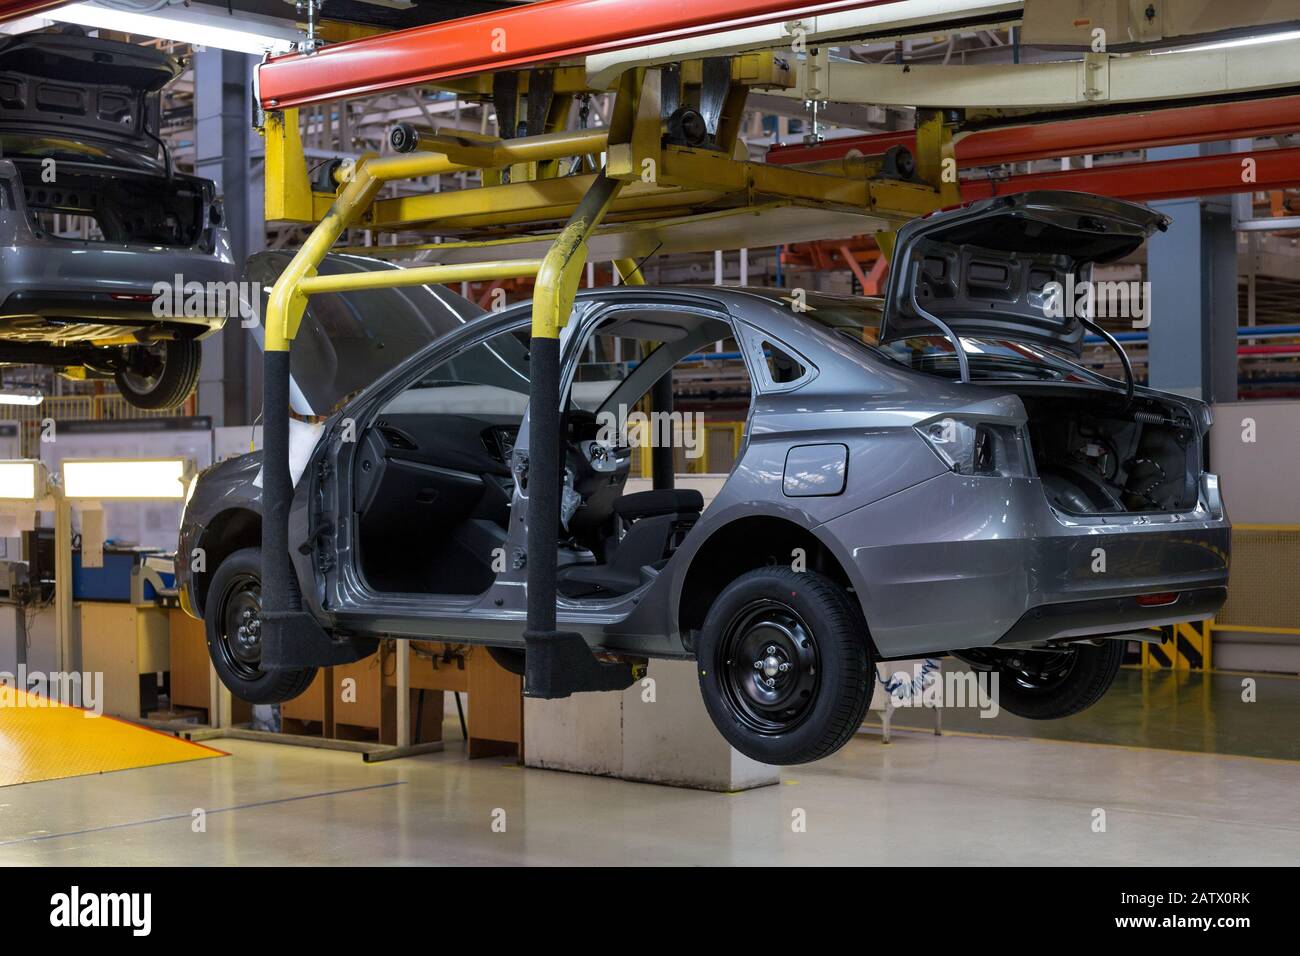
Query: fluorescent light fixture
point(20, 396)
point(243, 33)
point(22, 480)
point(125, 479)
point(1256, 40)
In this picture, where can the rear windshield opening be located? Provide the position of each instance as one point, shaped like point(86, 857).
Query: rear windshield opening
point(58, 225)
point(858, 320)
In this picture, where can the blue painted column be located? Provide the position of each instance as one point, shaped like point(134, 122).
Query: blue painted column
point(230, 376)
point(1193, 309)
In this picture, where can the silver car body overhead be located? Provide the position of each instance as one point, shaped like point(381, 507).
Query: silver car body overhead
point(76, 280)
point(79, 137)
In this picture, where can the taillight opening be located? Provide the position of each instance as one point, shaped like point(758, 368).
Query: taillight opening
point(978, 448)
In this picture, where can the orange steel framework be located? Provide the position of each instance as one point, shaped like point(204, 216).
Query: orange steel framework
point(531, 34)
point(1217, 174)
point(1075, 137)
point(13, 9)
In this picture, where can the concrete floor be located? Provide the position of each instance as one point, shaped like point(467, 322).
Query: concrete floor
point(1167, 710)
point(921, 800)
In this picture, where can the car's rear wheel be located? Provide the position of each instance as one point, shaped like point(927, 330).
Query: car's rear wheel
point(1048, 684)
point(784, 666)
point(161, 375)
point(231, 619)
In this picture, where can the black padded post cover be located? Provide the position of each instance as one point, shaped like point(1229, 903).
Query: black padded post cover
point(290, 636)
point(661, 501)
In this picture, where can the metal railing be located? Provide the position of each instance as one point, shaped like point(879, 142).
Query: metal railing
point(33, 419)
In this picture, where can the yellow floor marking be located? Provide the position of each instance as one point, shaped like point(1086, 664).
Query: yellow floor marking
point(41, 739)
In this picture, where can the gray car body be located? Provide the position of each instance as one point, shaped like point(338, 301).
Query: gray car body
point(73, 280)
point(79, 117)
point(938, 561)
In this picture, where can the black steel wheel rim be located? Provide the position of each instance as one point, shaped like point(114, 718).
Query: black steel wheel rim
point(240, 643)
point(145, 372)
point(1041, 671)
point(769, 667)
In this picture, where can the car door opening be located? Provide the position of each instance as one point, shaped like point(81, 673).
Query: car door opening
point(432, 480)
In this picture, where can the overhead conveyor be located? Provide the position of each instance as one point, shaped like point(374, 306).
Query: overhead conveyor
point(564, 30)
point(662, 175)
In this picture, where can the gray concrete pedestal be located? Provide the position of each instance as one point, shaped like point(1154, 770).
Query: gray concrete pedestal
point(656, 731)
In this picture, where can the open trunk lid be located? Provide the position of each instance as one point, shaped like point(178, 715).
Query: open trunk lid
point(983, 269)
point(82, 99)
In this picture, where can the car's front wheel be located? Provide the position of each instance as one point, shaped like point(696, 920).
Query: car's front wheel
point(232, 621)
point(1048, 684)
point(161, 375)
point(784, 665)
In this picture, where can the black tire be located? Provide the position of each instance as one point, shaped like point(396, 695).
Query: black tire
point(801, 619)
point(160, 376)
point(235, 596)
point(1072, 680)
point(508, 658)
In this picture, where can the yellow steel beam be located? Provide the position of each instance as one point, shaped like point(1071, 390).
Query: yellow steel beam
point(760, 69)
point(1255, 629)
point(561, 271)
point(680, 178)
point(288, 188)
point(289, 196)
point(540, 200)
point(421, 275)
point(936, 161)
point(885, 239)
point(567, 81)
point(629, 273)
point(340, 31)
point(562, 267)
point(288, 298)
point(635, 153)
point(686, 178)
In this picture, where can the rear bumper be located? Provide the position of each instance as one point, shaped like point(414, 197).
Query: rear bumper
point(1101, 616)
point(72, 280)
point(957, 562)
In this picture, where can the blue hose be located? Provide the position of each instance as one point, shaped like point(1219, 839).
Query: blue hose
point(912, 688)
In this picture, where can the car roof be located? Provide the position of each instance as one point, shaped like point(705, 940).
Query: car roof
point(739, 296)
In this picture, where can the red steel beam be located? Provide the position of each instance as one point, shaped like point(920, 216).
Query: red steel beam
point(1164, 179)
point(1076, 137)
point(507, 39)
point(13, 9)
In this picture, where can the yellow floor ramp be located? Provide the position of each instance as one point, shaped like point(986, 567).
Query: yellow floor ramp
point(41, 739)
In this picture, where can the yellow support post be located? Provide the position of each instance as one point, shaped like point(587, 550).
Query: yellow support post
point(936, 160)
point(556, 664)
point(629, 272)
point(288, 189)
point(290, 637)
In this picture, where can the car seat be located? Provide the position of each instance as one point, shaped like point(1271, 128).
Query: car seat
point(652, 525)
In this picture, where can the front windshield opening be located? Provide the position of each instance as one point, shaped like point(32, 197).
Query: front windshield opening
point(499, 363)
point(858, 321)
